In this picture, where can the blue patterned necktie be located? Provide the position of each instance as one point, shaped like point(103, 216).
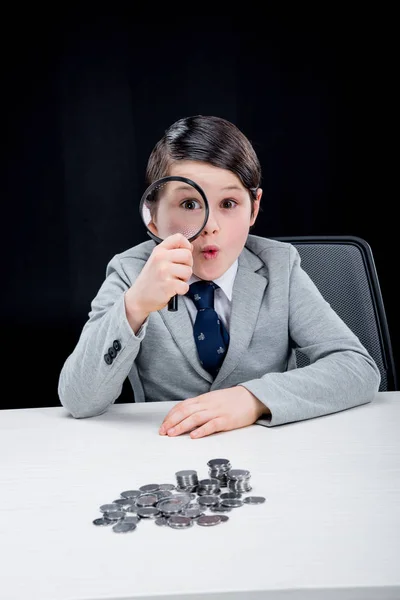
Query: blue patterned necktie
point(210, 335)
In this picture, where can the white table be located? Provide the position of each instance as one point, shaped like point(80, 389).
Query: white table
point(330, 527)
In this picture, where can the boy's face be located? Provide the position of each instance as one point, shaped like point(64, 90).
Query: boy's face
point(230, 217)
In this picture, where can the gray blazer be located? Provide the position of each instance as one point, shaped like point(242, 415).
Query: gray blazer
point(275, 308)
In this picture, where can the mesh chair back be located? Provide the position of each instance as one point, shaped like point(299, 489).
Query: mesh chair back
point(343, 269)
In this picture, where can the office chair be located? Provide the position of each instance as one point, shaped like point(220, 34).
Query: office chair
point(343, 269)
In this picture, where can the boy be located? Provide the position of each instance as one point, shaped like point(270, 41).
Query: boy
point(265, 305)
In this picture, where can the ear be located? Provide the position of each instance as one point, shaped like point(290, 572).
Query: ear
point(153, 228)
point(256, 207)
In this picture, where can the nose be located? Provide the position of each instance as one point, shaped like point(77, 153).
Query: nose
point(211, 225)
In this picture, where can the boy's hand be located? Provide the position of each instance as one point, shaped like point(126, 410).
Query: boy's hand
point(220, 410)
point(165, 274)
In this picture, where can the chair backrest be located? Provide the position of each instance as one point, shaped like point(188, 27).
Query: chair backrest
point(344, 271)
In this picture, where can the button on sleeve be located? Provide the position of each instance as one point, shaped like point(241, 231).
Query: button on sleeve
point(108, 359)
point(117, 345)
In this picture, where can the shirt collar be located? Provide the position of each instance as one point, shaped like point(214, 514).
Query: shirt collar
point(225, 282)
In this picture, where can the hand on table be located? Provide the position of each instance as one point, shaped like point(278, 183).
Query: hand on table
point(220, 410)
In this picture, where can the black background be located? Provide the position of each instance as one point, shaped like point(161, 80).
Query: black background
point(86, 97)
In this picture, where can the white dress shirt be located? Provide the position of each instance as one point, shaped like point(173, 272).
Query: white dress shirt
point(222, 296)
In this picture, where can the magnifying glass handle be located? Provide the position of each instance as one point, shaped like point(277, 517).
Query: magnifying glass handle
point(173, 304)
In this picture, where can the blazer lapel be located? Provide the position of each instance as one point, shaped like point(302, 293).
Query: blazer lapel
point(180, 327)
point(248, 292)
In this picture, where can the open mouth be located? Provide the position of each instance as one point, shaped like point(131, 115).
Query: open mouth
point(210, 253)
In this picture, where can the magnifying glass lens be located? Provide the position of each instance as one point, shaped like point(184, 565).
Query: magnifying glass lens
point(174, 207)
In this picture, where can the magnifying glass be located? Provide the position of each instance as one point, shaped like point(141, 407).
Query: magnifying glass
point(174, 205)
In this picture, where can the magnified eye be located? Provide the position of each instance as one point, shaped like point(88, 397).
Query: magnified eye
point(190, 204)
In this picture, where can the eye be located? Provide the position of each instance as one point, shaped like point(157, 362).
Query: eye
point(190, 204)
point(229, 203)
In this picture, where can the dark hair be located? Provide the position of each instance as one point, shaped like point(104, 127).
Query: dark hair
point(208, 139)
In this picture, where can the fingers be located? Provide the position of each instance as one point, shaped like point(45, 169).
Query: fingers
point(164, 275)
point(177, 240)
point(180, 411)
point(180, 288)
point(196, 419)
point(182, 272)
point(212, 426)
point(181, 256)
point(170, 271)
point(162, 258)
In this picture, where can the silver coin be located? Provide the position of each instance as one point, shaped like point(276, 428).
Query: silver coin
point(218, 462)
point(149, 487)
point(116, 515)
point(224, 518)
point(126, 504)
point(232, 502)
point(122, 501)
point(123, 527)
point(220, 508)
point(207, 492)
point(254, 499)
point(186, 473)
point(238, 474)
point(161, 521)
point(102, 521)
point(146, 500)
point(107, 508)
point(184, 498)
point(166, 487)
point(187, 488)
point(208, 500)
point(134, 520)
point(209, 520)
point(209, 483)
point(148, 512)
point(230, 495)
point(193, 512)
point(174, 501)
point(170, 508)
point(161, 494)
point(179, 522)
point(238, 487)
point(131, 494)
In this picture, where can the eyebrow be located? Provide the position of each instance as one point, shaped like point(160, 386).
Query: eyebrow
point(184, 188)
point(232, 187)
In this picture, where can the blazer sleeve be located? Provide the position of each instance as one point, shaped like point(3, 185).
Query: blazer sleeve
point(341, 374)
point(89, 383)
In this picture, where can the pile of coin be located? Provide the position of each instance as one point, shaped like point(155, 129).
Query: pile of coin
point(239, 480)
point(183, 504)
